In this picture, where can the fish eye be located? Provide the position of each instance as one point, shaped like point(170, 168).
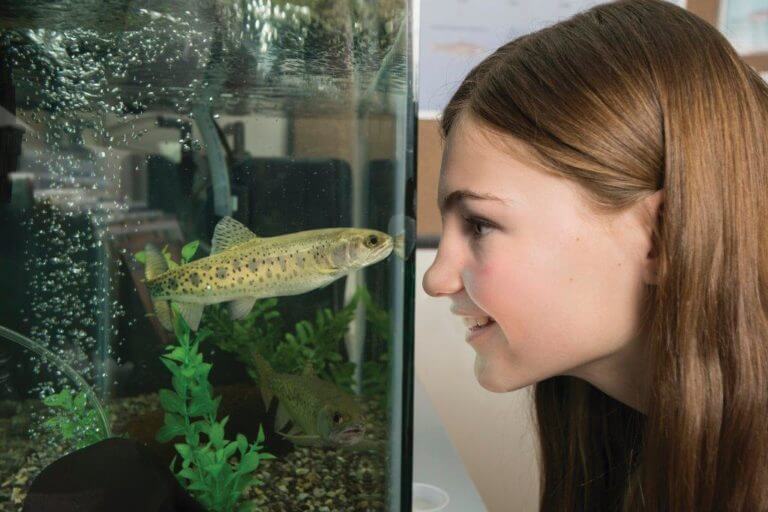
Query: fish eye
point(372, 241)
point(337, 418)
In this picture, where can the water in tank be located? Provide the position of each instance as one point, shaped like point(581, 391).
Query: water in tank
point(206, 210)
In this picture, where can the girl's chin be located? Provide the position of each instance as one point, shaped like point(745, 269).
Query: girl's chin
point(496, 379)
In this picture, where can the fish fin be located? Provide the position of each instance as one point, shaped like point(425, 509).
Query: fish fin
point(163, 313)
point(265, 373)
point(266, 395)
point(230, 233)
point(241, 307)
point(282, 417)
point(191, 313)
point(308, 441)
point(156, 263)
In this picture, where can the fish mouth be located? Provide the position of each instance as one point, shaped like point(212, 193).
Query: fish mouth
point(385, 250)
point(350, 435)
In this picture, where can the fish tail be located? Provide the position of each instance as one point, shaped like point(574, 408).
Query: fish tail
point(265, 374)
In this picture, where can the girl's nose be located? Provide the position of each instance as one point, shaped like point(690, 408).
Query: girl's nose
point(442, 277)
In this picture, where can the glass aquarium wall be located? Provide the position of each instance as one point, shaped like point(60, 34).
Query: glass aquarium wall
point(206, 211)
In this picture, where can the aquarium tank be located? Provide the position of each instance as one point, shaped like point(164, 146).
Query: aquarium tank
point(207, 220)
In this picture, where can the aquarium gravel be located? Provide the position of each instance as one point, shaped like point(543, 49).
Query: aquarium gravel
point(304, 479)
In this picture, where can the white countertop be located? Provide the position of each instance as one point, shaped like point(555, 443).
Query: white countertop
point(435, 460)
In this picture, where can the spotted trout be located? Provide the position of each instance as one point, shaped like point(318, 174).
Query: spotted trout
point(322, 414)
point(244, 267)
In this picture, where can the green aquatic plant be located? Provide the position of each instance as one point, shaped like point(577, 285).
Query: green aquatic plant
point(311, 343)
point(262, 328)
point(319, 343)
point(75, 421)
point(191, 411)
point(375, 373)
point(375, 383)
point(187, 252)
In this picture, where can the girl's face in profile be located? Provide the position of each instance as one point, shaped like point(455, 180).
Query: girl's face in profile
point(563, 288)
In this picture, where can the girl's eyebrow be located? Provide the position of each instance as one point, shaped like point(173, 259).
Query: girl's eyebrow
point(449, 202)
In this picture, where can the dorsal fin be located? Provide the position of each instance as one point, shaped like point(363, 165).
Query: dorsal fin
point(228, 234)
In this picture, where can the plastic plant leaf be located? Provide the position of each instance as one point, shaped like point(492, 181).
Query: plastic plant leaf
point(184, 450)
point(200, 405)
point(249, 462)
point(214, 469)
point(217, 434)
point(177, 354)
point(202, 334)
point(198, 486)
point(171, 402)
point(168, 432)
point(229, 450)
point(260, 436)
point(141, 257)
point(79, 402)
point(174, 368)
point(62, 399)
point(174, 420)
point(205, 457)
point(193, 438)
point(67, 429)
point(242, 443)
point(189, 250)
point(202, 370)
point(179, 385)
point(188, 473)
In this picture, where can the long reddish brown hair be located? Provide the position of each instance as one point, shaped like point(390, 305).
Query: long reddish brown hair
point(625, 99)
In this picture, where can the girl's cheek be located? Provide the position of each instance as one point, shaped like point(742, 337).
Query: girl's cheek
point(484, 286)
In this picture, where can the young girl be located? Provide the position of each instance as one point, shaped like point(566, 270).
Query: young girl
point(604, 190)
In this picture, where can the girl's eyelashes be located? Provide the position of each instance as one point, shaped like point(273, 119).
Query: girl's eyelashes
point(477, 226)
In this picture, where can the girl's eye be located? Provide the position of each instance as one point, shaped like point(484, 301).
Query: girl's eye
point(477, 227)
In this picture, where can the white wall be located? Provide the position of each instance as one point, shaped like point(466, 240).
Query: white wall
point(491, 432)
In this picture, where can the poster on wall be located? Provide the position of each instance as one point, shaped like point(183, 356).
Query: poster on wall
point(455, 35)
point(745, 24)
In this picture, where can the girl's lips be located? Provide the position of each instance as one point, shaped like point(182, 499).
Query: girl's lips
point(476, 321)
point(474, 333)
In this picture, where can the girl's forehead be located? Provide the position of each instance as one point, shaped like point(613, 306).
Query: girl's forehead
point(473, 161)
